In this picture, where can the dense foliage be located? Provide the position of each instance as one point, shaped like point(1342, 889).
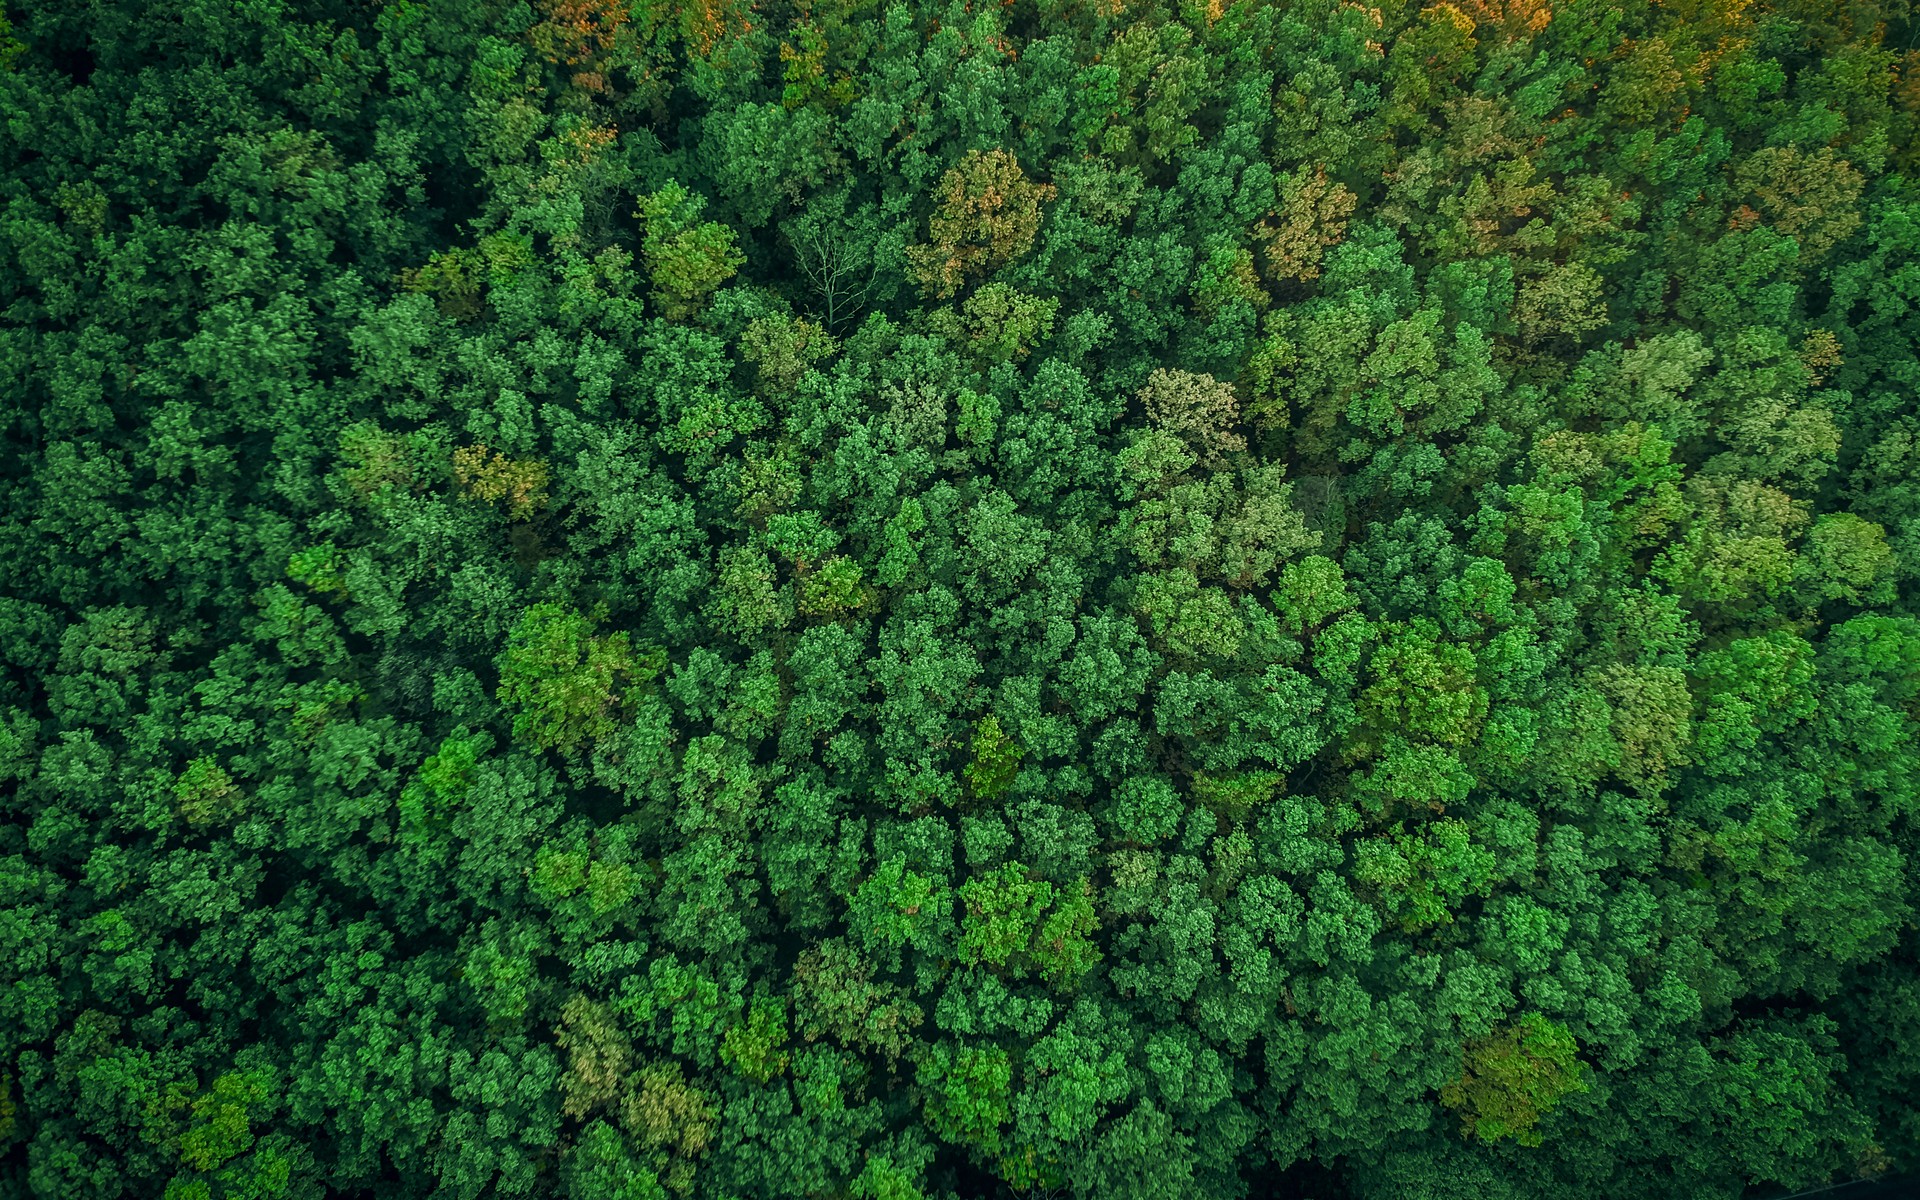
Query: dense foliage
point(890, 599)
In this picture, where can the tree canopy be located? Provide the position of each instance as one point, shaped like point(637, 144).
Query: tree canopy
point(930, 600)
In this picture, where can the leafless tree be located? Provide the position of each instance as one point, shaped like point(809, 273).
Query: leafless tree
point(839, 273)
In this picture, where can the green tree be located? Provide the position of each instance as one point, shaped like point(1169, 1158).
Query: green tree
point(566, 681)
point(687, 258)
point(1513, 1078)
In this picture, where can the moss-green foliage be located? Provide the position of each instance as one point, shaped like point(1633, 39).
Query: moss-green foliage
point(564, 682)
point(493, 478)
point(996, 759)
point(1513, 1078)
point(933, 600)
point(687, 258)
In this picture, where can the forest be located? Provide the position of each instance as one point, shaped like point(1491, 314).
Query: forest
point(959, 600)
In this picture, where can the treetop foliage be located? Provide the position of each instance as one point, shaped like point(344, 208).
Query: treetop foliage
point(928, 600)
